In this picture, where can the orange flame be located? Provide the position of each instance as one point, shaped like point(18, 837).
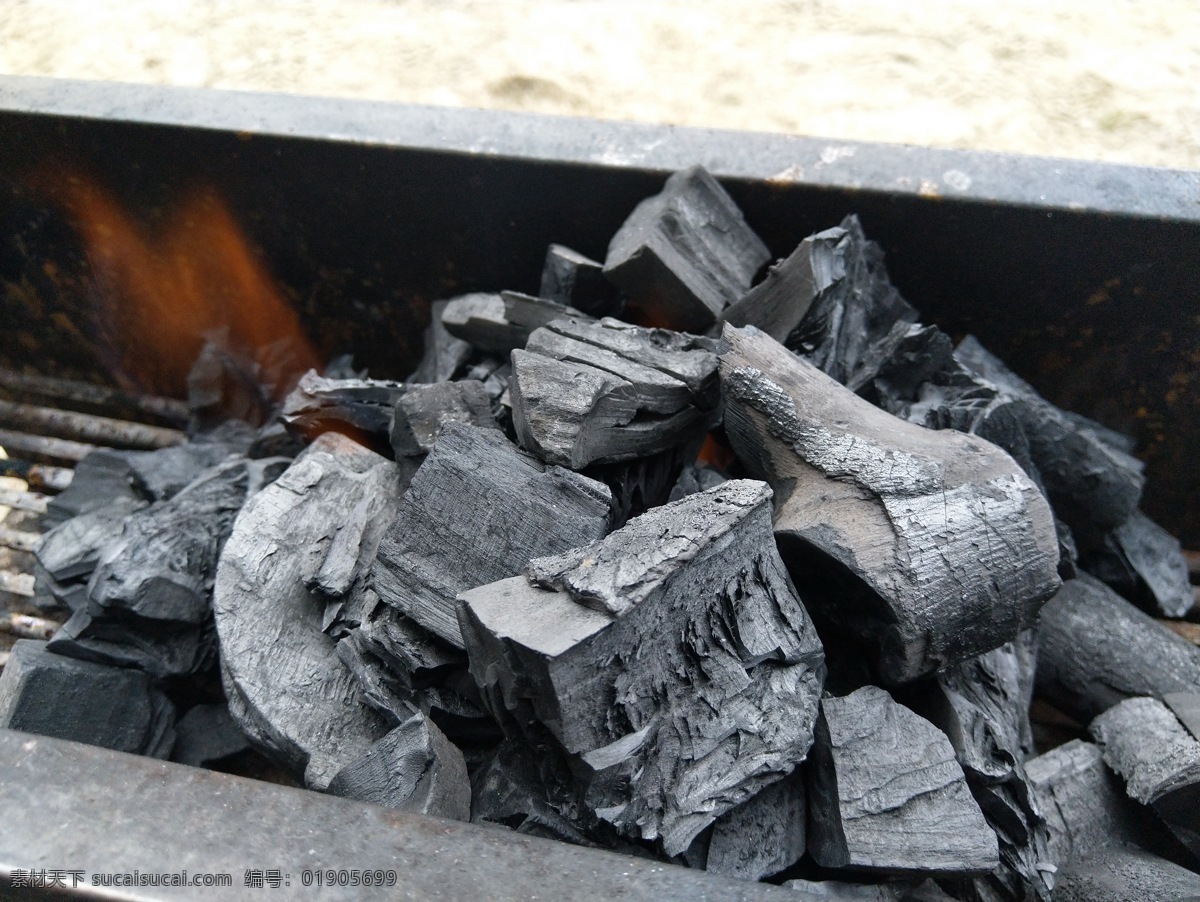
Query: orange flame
point(160, 294)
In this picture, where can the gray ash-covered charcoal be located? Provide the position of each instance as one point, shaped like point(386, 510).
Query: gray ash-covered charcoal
point(858, 317)
point(113, 707)
point(762, 836)
point(206, 735)
point(361, 408)
point(601, 393)
point(498, 323)
point(414, 767)
point(444, 354)
point(478, 510)
point(886, 794)
point(1158, 758)
point(672, 661)
point(425, 409)
point(573, 280)
point(1097, 649)
point(1144, 563)
point(286, 685)
point(684, 254)
point(1185, 706)
point(926, 547)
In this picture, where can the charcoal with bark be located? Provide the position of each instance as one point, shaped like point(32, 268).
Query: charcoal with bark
point(672, 661)
point(585, 394)
point(684, 255)
point(573, 280)
point(1097, 649)
point(206, 735)
point(925, 547)
point(286, 685)
point(360, 408)
point(498, 323)
point(1158, 758)
point(113, 707)
point(424, 409)
point(478, 510)
point(1144, 563)
point(444, 354)
point(414, 767)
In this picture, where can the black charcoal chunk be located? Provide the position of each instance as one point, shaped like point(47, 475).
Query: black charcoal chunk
point(1126, 875)
point(925, 547)
point(99, 479)
point(642, 483)
point(414, 767)
point(886, 793)
point(425, 409)
point(1159, 760)
point(206, 735)
point(160, 648)
point(161, 474)
point(286, 685)
point(1097, 649)
point(696, 478)
point(857, 318)
point(361, 408)
point(112, 707)
point(444, 354)
point(601, 393)
point(893, 891)
point(573, 280)
point(672, 661)
point(1144, 563)
point(684, 254)
point(762, 836)
point(498, 323)
point(71, 550)
point(477, 511)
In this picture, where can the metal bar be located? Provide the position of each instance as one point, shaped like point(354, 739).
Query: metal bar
point(41, 449)
point(16, 583)
point(23, 626)
point(125, 815)
point(86, 427)
point(18, 539)
point(34, 502)
point(95, 398)
point(39, 476)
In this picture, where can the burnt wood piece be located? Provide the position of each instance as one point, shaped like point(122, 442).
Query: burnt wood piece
point(361, 408)
point(498, 323)
point(160, 475)
point(69, 552)
point(925, 547)
point(424, 409)
point(161, 648)
point(1159, 760)
point(100, 478)
point(886, 794)
point(1185, 706)
point(762, 836)
point(696, 478)
point(478, 510)
point(645, 482)
point(778, 303)
point(607, 392)
point(982, 705)
point(113, 707)
point(671, 660)
point(1126, 875)
point(85, 427)
point(1093, 486)
point(573, 280)
point(206, 735)
point(444, 354)
point(858, 317)
point(684, 255)
point(1097, 649)
point(226, 383)
point(92, 398)
point(1145, 563)
point(414, 767)
point(286, 685)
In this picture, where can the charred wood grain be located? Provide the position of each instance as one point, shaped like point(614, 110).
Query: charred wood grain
point(424, 409)
point(498, 323)
point(1145, 564)
point(360, 408)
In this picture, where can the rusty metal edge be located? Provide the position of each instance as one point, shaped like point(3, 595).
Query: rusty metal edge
point(1046, 183)
point(69, 807)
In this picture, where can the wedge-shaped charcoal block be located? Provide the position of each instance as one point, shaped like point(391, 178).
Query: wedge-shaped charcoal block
point(113, 707)
point(287, 688)
point(886, 793)
point(1097, 649)
point(778, 303)
point(601, 393)
point(444, 354)
point(478, 510)
point(573, 280)
point(1145, 563)
point(414, 768)
point(762, 836)
point(857, 318)
point(206, 734)
point(498, 323)
point(684, 254)
point(71, 550)
point(425, 409)
point(1159, 759)
point(672, 661)
point(99, 479)
point(926, 547)
point(362, 408)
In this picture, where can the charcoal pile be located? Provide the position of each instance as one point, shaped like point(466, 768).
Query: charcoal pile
point(742, 568)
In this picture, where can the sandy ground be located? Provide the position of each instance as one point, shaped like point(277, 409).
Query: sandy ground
point(1115, 81)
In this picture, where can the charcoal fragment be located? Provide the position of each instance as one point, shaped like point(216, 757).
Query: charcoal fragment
point(424, 409)
point(573, 280)
point(1144, 563)
point(498, 323)
point(207, 734)
point(361, 408)
point(444, 354)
